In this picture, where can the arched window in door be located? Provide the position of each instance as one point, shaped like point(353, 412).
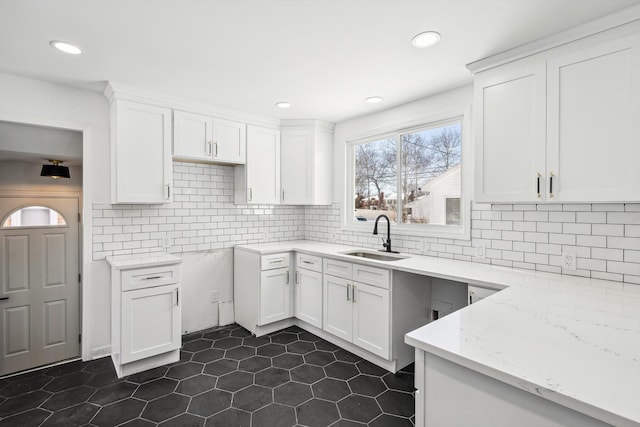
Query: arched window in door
point(34, 216)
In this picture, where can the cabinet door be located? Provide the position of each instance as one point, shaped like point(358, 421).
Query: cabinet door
point(510, 119)
point(141, 153)
point(192, 135)
point(371, 319)
point(337, 313)
point(297, 167)
point(263, 165)
point(593, 137)
point(309, 297)
point(275, 295)
point(229, 141)
point(150, 322)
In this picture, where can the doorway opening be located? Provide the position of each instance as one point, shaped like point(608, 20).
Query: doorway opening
point(40, 247)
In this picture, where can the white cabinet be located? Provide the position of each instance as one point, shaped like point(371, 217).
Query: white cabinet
point(140, 153)
point(358, 312)
point(593, 131)
point(510, 107)
point(262, 289)
point(258, 182)
point(306, 162)
point(308, 289)
point(561, 125)
point(145, 312)
point(205, 138)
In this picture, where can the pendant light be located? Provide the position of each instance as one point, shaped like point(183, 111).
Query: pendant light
point(55, 170)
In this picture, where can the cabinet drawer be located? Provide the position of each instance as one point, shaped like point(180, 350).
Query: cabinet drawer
point(373, 276)
point(338, 268)
point(269, 262)
point(309, 262)
point(140, 278)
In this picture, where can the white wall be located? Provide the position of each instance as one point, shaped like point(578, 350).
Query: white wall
point(24, 178)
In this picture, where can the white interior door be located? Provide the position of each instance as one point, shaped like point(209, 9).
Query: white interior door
point(39, 283)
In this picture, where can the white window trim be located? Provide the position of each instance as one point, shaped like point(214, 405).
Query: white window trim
point(462, 232)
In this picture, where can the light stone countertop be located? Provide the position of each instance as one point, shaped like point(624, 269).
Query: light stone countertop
point(123, 262)
point(572, 340)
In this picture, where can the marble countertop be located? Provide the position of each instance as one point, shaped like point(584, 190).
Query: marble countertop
point(572, 340)
point(123, 262)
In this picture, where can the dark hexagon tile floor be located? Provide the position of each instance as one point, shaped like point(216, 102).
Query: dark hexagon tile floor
point(225, 378)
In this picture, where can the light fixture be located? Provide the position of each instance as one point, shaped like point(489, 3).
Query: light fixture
point(55, 170)
point(426, 39)
point(283, 104)
point(66, 47)
point(374, 99)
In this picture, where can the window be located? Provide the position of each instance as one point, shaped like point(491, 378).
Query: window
point(34, 216)
point(413, 176)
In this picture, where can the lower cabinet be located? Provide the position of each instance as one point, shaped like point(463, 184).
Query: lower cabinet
point(145, 312)
point(358, 312)
point(262, 289)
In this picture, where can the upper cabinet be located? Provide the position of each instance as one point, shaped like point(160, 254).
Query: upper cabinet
point(258, 182)
point(306, 162)
point(561, 125)
point(593, 122)
point(140, 153)
point(205, 138)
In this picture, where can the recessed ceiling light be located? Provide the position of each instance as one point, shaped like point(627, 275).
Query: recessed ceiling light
point(426, 39)
point(66, 47)
point(283, 105)
point(373, 99)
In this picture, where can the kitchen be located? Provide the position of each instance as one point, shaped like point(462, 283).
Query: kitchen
point(209, 216)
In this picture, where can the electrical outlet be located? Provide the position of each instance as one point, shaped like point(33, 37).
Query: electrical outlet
point(332, 237)
point(166, 241)
point(481, 250)
point(569, 261)
point(214, 296)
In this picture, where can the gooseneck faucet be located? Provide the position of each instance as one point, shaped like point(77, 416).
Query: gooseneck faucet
point(387, 244)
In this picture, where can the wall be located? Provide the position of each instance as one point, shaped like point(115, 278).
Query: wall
point(24, 178)
point(605, 237)
point(203, 225)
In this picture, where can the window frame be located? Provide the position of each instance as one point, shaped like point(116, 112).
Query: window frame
point(22, 227)
point(462, 232)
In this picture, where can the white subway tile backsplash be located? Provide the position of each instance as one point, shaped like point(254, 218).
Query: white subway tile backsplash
point(605, 238)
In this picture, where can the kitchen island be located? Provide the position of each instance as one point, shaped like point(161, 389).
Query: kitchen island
point(567, 348)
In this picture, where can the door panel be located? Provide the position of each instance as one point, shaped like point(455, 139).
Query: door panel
point(39, 265)
point(371, 319)
point(55, 322)
point(338, 308)
point(17, 322)
point(275, 300)
point(54, 259)
point(16, 263)
point(309, 297)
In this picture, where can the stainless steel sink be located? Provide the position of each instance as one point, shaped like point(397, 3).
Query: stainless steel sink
point(379, 256)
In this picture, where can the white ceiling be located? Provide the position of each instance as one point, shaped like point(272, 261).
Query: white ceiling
point(322, 56)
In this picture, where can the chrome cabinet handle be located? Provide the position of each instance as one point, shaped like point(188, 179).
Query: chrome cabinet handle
point(177, 296)
point(538, 185)
point(216, 155)
point(207, 148)
point(348, 291)
point(250, 194)
point(307, 262)
point(4, 299)
point(297, 277)
point(287, 277)
point(353, 294)
point(551, 185)
point(152, 278)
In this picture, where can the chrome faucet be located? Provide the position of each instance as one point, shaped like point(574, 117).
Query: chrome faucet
point(386, 245)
